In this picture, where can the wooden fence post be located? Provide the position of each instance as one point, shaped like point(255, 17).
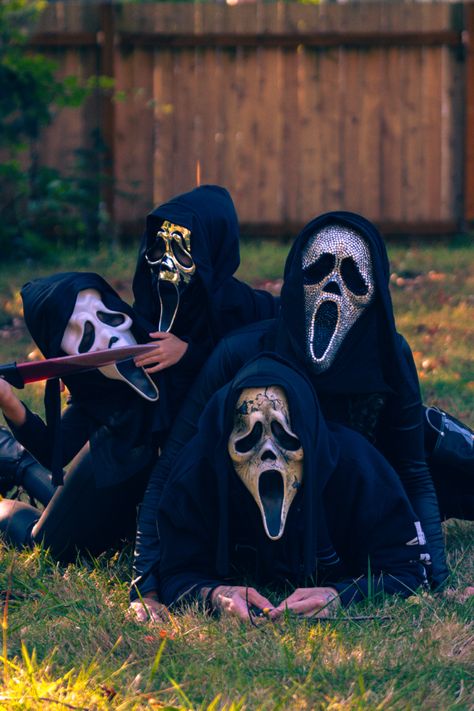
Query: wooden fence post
point(107, 118)
point(469, 117)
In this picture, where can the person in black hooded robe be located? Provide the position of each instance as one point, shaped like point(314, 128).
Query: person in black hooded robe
point(255, 499)
point(105, 430)
point(371, 385)
point(184, 279)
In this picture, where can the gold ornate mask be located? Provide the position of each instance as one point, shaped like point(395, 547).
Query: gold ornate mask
point(170, 255)
point(266, 454)
point(172, 265)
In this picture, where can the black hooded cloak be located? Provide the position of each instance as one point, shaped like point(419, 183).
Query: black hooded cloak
point(351, 508)
point(214, 303)
point(371, 386)
point(106, 412)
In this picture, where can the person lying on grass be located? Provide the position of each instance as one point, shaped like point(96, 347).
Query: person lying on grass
point(268, 492)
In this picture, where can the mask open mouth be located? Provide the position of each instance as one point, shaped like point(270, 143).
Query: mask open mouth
point(168, 293)
point(325, 322)
point(137, 379)
point(271, 490)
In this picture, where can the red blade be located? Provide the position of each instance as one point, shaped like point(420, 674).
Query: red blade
point(68, 365)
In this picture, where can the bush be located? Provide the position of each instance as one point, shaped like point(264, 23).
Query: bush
point(39, 206)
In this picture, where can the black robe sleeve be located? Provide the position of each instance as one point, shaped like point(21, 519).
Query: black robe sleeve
point(231, 353)
point(188, 546)
point(35, 436)
point(404, 448)
point(374, 529)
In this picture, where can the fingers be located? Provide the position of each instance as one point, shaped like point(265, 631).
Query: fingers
point(150, 357)
point(238, 601)
point(309, 602)
point(311, 606)
point(254, 598)
point(160, 334)
point(169, 351)
point(149, 610)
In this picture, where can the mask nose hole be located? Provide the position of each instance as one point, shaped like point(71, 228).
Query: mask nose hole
point(268, 455)
point(332, 288)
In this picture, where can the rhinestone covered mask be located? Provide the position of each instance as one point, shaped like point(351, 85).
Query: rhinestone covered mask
point(266, 454)
point(92, 326)
point(172, 265)
point(338, 286)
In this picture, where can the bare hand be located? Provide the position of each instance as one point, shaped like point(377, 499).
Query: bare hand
point(169, 350)
point(236, 600)
point(11, 405)
point(148, 609)
point(309, 602)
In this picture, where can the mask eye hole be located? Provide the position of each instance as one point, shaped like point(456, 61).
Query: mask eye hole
point(249, 441)
point(323, 266)
point(88, 337)
point(353, 278)
point(156, 251)
point(181, 255)
point(114, 319)
point(284, 438)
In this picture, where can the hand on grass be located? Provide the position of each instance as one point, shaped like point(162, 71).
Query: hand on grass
point(309, 602)
point(238, 601)
point(169, 350)
point(148, 609)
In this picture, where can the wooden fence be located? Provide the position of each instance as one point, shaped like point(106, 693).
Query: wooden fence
point(296, 109)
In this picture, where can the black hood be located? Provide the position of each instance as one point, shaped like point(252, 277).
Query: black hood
point(209, 213)
point(305, 537)
point(370, 358)
point(48, 303)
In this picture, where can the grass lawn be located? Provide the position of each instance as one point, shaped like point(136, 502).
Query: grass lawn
point(67, 640)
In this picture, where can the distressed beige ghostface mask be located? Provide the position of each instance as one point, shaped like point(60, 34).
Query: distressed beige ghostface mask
point(267, 455)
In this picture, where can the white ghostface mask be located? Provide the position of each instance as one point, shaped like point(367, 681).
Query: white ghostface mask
point(171, 262)
point(267, 455)
point(338, 286)
point(94, 327)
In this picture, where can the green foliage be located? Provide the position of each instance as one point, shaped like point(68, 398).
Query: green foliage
point(30, 90)
point(41, 207)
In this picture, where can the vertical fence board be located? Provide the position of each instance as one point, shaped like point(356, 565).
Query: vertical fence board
point(411, 135)
point(249, 138)
point(164, 126)
point(350, 125)
point(431, 125)
point(311, 128)
point(289, 159)
point(329, 121)
point(391, 155)
point(369, 172)
point(469, 118)
point(134, 140)
point(269, 176)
